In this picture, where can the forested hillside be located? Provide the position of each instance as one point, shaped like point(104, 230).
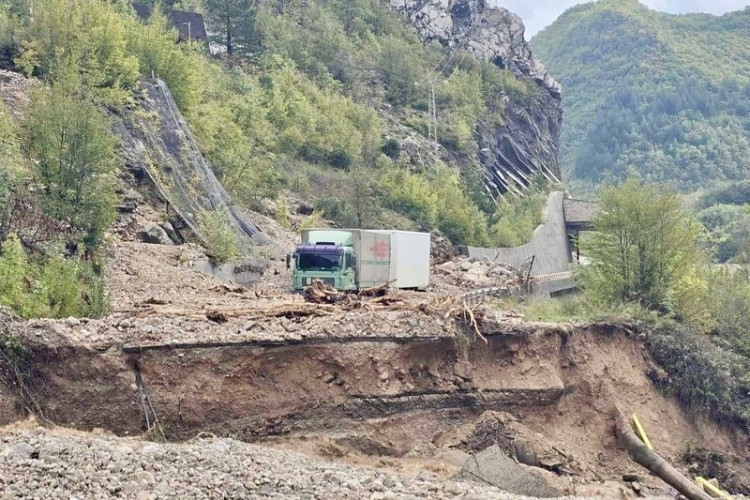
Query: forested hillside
point(327, 100)
point(665, 96)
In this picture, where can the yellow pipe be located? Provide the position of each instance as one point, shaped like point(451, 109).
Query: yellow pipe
point(711, 489)
point(641, 432)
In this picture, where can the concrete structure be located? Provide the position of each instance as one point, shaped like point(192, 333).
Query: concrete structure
point(493, 466)
point(549, 254)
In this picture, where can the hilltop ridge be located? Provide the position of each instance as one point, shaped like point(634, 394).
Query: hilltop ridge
point(663, 95)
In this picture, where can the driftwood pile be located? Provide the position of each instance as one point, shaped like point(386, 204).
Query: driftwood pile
point(322, 299)
point(319, 292)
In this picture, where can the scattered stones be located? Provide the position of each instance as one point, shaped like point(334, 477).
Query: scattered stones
point(470, 273)
point(73, 465)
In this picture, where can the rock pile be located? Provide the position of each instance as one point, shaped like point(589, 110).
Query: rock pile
point(56, 464)
point(476, 273)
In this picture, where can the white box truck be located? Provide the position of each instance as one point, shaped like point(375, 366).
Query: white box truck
point(351, 259)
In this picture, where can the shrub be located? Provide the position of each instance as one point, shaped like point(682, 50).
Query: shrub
point(179, 65)
point(516, 217)
point(56, 287)
point(282, 212)
point(86, 35)
point(221, 241)
point(392, 148)
point(313, 220)
point(728, 299)
point(411, 194)
point(73, 157)
point(703, 376)
point(14, 267)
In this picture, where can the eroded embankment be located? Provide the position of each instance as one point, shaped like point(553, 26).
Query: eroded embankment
point(545, 393)
point(251, 390)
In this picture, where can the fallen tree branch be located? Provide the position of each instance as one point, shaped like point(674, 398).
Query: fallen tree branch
point(375, 290)
point(640, 453)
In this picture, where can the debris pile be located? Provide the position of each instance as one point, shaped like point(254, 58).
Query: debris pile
point(468, 272)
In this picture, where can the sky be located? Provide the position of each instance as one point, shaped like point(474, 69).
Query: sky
point(537, 14)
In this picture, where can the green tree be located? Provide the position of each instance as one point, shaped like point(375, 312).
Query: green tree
point(73, 156)
point(178, 65)
point(236, 20)
point(88, 35)
point(643, 249)
point(13, 270)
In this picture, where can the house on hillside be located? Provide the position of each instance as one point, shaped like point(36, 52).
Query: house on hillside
point(189, 25)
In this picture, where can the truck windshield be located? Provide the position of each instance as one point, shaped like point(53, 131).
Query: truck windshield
point(317, 262)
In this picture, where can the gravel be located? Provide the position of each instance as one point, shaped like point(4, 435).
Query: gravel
point(40, 463)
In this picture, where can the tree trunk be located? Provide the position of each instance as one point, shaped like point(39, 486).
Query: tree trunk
point(653, 462)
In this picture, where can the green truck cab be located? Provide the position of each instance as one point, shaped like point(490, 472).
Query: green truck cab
point(332, 264)
point(352, 259)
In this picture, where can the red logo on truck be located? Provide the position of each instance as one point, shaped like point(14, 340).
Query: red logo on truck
point(381, 250)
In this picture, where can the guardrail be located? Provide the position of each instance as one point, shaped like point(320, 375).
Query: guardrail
point(481, 295)
point(552, 277)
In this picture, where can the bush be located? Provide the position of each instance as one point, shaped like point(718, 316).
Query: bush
point(337, 210)
point(14, 267)
point(73, 156)
point(516, 217)
point(56, 287)
point(179, 65)
point(221, 241)
point(88, 36)
point(412, 195)
point(702, 376)
point(728, 299)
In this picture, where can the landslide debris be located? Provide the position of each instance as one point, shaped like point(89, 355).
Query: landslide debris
point(41, 463)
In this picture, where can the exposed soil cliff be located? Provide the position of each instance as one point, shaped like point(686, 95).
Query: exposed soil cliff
point(544, 393)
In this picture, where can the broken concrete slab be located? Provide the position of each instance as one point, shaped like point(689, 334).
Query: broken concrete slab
point(494, 466)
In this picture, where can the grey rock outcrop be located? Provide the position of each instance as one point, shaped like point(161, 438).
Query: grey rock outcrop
point(527, 143)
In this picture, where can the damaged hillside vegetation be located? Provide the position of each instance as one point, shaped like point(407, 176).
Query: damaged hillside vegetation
point(400, 392)
point(274, 117)
point(340, 124)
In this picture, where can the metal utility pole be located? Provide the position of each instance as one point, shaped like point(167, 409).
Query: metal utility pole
point(432, 111)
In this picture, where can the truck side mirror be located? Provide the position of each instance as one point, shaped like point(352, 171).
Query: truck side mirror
point(288, 260)
point(353, 261)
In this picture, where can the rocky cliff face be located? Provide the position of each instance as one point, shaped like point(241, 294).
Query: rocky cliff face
point(527, 143)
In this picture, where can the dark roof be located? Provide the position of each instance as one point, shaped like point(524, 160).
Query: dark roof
point(579, 212)
point(189, 25)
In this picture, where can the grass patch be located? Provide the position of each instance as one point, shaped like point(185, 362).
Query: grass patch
point(577, 308)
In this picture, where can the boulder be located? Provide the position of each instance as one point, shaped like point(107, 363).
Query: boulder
point(154, 233)
point(495, 467)
point(172, 233)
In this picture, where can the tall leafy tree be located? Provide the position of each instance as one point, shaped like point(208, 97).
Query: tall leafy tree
point(73, 156)
point(643, 249)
